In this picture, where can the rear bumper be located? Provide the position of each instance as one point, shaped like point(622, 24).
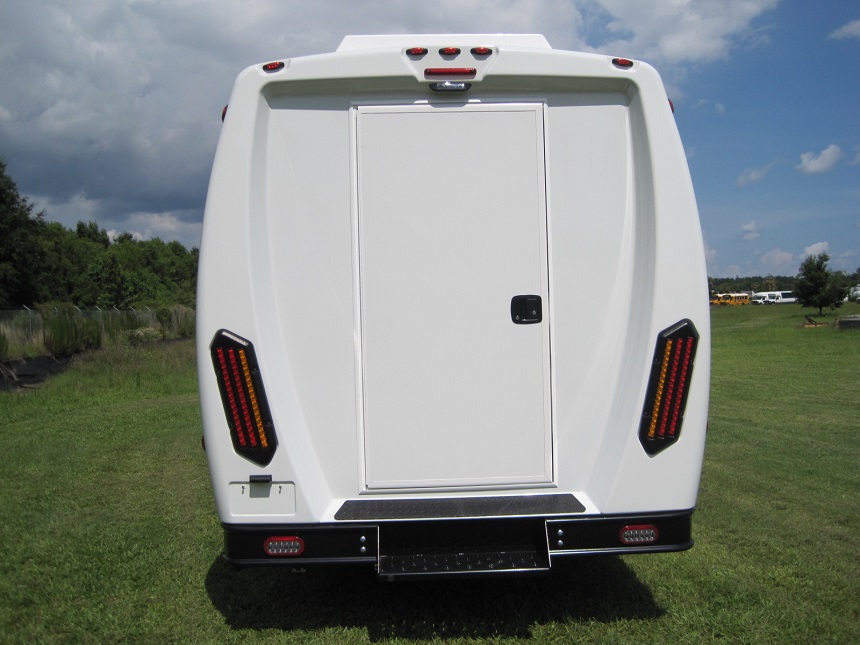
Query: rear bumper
point(460, 546)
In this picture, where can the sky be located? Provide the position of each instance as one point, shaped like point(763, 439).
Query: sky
point(110, 110)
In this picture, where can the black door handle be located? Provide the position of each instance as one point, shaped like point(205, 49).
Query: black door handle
point(526, 310)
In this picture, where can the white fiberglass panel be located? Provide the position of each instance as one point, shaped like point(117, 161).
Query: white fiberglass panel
point(452, 226)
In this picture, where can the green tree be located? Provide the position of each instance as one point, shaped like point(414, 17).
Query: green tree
point(91, 231)
point(819, 287)
point(20, 248)
point(105, 284)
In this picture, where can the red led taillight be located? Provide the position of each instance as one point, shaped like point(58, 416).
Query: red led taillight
point(273, 67)
point(624, 63)
point(481, 51)
point(451, 71)
point(449, 51)
point(638, 534)
point(284, 546)
point(668, 387)
point(243, 397)
point(416, 51)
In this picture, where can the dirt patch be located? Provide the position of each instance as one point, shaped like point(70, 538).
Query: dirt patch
point(29, 372)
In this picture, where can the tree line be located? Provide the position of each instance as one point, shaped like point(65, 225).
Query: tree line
point(44, 262)
point(815, 285)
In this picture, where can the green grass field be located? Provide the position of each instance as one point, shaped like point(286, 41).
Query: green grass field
point(109, 532)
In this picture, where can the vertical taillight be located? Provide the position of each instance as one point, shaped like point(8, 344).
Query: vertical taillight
point(243, 396)
point(666, 398)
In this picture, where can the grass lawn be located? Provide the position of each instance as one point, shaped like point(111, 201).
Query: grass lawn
point(109, 532)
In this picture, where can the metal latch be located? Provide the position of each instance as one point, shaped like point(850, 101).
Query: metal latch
point(526, 310)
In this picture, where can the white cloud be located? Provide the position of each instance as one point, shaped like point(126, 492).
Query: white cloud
point(77, 208)
point(778, 262)
point(710, 257)
point(671, 31)
point(751, 230)
point(815, 249)
point(754, 175)
point(166, 226)
point(849, 30)
point(846, 261)
point(112, 109)
point(812, 164)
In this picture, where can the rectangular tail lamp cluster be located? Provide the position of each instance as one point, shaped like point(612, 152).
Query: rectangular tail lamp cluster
point(668, 386)
point(244, 398)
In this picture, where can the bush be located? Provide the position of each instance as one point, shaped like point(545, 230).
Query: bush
point(65, 335)
point(143, 336)
point(4, 347)
point(117, 323)
point(183, 320)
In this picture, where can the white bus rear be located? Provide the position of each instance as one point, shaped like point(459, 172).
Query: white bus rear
point(450, 310)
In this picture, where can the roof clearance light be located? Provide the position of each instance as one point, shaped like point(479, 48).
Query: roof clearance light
point(481, 51)
point(451, 71)
point(625, 63)
point(416, 51)
point(243, 397)
point(639, 534)
point(449, 51)
point(273, 67)
point(284, 546)
point(668, 387)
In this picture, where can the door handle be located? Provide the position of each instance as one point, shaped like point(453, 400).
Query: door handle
point(526, 310)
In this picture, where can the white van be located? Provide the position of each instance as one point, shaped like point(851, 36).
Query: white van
point(397, 364)
point(781, 298)
point(773, 298)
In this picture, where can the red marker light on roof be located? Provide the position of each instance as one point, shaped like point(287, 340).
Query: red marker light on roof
point(449, 51)
point(273, 67)
point(624, 63)
point(450, 71)
point(481, 51)
point(416, 51)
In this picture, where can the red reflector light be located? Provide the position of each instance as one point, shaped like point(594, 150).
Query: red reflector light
point(639, 534)
point(481, 51)
point(450, 71)
point(416, 51)
point(668, 386)
point(284, 546)
point(449, 51)
point(273, 67)
point(625, 63)
point(243, 397)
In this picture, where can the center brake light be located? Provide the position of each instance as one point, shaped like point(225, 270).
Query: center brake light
point(451, 71)
point(668, 387)
point(243, 397)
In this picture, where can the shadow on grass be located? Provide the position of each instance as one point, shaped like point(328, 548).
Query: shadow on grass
point(598, 588)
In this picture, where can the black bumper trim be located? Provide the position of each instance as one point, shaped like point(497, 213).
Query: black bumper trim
point(513, 544)
point(458, 507)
